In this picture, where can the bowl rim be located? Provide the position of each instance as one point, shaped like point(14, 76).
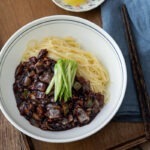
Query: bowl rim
point(108, 37)
point(77, 10)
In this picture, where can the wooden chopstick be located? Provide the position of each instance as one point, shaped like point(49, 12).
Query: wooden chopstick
point(143, 97)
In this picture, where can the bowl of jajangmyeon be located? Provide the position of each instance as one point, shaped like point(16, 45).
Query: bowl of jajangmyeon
point(62, 78)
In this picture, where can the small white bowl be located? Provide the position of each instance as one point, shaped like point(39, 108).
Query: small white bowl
point(89, 5)
point(93, 39)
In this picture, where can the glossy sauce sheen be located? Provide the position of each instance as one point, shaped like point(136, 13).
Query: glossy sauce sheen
point(31, 80)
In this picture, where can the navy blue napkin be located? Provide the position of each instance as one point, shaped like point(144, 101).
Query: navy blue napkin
point(139, 13)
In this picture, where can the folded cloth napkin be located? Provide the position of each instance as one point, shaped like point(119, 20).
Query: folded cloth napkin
point(139, 13)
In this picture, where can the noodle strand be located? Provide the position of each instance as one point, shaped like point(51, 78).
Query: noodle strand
point(88, 66)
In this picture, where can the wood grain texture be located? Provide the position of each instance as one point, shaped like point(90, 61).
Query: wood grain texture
point(10, 138)
point(145, 146)
point(110, 137)
point(16, 13)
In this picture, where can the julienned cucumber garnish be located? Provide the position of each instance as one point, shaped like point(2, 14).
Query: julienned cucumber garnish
point(63, 79)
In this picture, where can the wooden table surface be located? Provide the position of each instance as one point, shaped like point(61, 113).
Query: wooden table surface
point(13, 15)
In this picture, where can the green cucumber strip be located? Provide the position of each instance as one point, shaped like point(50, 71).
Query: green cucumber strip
point(50, 86)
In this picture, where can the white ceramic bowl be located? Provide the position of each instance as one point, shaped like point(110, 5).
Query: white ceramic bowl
point(93, 39)
point(89, 5)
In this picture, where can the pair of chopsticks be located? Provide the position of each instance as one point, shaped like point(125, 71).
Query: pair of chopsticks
point(143, 97)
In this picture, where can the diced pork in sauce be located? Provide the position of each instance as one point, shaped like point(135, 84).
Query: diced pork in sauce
point(31, 81)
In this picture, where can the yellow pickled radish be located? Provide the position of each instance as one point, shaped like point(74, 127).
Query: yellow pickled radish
point(74, 2)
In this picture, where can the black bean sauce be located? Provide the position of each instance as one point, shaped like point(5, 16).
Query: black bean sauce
point(31, 80)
